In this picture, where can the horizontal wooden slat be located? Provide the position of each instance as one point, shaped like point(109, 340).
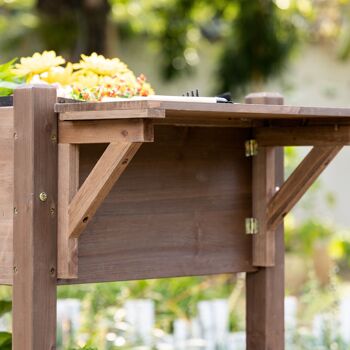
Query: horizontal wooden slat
point(211, 110)
point(113, 114)
point(104, 106)
point(105, 131)
point(303, 136)
point(178, 209)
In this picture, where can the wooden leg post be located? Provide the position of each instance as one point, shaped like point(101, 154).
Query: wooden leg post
point(35, 223)
point(265, 288)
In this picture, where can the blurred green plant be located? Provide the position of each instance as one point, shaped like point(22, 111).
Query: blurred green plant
point(5, 337)
point(8, 80)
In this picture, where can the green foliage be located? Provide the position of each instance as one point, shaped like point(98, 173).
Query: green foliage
point(258, 46)
point(5, 337)
point(8, 80)
point(5, 307)
point(5, 341)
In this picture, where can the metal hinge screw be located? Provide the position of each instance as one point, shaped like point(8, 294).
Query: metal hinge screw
point(251, 148)
point(251, 226)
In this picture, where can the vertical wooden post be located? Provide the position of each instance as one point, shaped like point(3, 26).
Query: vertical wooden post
point(265, 288)
point(68, 180)
point(35, 223)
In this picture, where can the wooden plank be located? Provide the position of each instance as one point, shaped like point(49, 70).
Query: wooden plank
point(106, 172)
point(263, 190)
point(68, 184)
point(214, 111)
point(304, 135)
point(113, 114)
point(265, 288)
point(178, 209)
point(299, 182)
point(35, 224)
point(105, 131)
point(6, 195)
point(265, 293)
point(104, 106)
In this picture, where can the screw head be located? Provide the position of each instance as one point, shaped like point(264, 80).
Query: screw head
point(43, 196)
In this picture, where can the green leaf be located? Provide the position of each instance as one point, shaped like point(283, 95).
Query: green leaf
point(5, 306)
point(5, 67)
point(5, 341)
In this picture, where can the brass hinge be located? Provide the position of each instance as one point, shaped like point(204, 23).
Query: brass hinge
point(251, 226)
point(251, 148)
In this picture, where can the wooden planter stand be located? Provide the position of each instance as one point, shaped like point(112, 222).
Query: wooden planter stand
point(94, 192)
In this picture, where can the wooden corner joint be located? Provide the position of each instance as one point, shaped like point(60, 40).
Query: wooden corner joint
point(77, 206)
point(271, 206)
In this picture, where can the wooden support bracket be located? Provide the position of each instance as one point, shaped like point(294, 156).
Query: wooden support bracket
point(270, 208)
point(299, 182)
point(77, 205)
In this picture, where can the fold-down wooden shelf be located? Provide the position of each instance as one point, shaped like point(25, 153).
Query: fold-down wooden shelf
point(94, 192)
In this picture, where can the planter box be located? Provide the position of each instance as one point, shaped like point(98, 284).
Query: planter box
point(93, 192)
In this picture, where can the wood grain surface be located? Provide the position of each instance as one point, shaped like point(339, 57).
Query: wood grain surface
point(265, 287)
point(105, 131)
point(6, 195)
point(211, 112)
point(35, 223)
point(178, 209)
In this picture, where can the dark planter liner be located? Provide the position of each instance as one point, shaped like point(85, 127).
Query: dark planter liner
point(6, 101)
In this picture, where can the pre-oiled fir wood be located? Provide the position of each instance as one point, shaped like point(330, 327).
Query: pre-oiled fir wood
point(299, 181)
point(265, 288)
point(113, 114)
point(211, 111)
point(334, 135)
point(265, 293)
point(106, 172)
point(68, 184)
point(178, 209)
point(263, 190)
point(35, 224)
point(105, 131)
point(6, 195)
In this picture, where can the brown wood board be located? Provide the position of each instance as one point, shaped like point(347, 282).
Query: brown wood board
point(35, 222)
point(6, 195)
point(68, 184)
point(212, 112)
point(321, 135)
point(265, 287)
point(178, 209)
point(105, 131)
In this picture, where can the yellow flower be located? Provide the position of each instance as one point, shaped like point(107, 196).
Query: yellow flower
point(60, 75)
point(84, 80)
point(38, 63)
point(100, 65)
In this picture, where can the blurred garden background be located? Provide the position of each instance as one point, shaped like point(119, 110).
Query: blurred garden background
point(299, 48)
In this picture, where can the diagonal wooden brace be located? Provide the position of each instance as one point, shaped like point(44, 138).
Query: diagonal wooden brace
point(269, 208)
point(98, 184)
point(299, 182)
point(77, 205)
